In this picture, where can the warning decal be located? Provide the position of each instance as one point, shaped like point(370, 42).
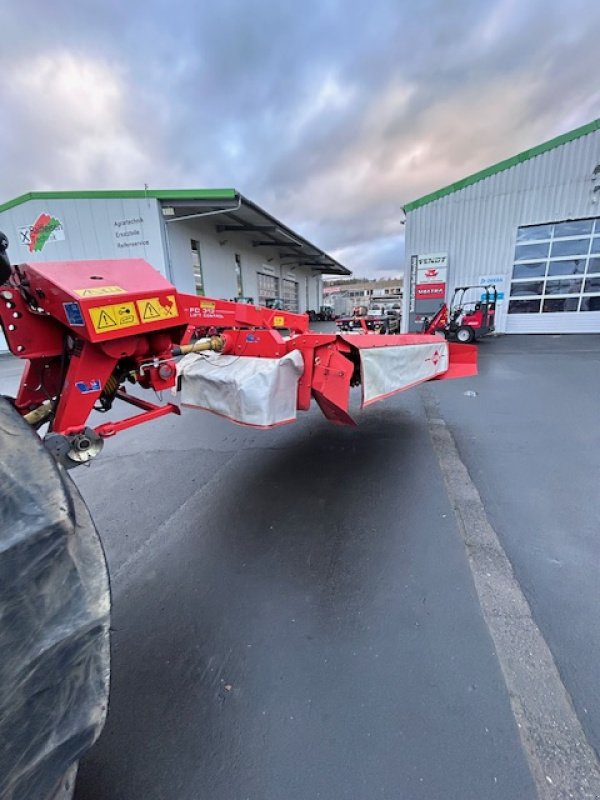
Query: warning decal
point(153, 309)
point(278, 322)
point(113, 317)
point(98, 291)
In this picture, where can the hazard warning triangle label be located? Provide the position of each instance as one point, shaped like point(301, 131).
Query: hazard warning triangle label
point(105, 321)
point(113, 317)
point(150, 311)
point(153, 309)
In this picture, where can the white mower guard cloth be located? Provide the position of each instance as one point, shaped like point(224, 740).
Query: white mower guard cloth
point(260, 392)
point(387, 370)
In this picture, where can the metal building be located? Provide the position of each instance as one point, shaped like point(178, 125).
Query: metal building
point(530, 225)
point(212, 242)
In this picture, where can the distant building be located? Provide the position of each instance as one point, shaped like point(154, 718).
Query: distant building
point(530, 225)
point(343, 294)
point(212, 242)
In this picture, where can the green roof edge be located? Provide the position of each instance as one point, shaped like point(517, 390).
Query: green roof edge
point(112, 194)
point(507, 163)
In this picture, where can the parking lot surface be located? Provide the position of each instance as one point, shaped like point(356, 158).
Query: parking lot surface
point(294, 612)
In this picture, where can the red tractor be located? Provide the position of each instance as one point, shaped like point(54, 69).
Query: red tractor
point(465, 320)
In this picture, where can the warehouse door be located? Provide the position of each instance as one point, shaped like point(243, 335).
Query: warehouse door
point(268, 288)
point(290, 295)
point(555, 284)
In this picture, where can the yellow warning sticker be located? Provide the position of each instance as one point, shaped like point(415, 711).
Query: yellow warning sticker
point(278, 322)
point(153, 309)
point(207, 304)
point(98, 291)
point(113, 317)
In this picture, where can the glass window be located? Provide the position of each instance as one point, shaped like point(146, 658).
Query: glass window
point(197, 266)
point(591, 303)
point(530, 251)
point(535, 270)
point(527, 288)
point(524, 306)
point(564, 287)
point(557, 304)
point(577, 227)
point(593, 265)
point(592, 285)
point(534, 233)
point(575, 266)
point(595, 245)
point(570, 247)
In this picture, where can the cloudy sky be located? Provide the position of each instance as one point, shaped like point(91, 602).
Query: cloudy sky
point(329, 114)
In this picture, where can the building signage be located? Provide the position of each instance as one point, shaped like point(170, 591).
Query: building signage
point(430, 291)
point(432, 270)
point(130, 233)
point(428, 284)
point(493, 280)
point(413, 282)
point(36, 236)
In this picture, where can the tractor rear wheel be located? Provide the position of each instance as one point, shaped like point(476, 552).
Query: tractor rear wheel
point(54, 612)
point(465, 334)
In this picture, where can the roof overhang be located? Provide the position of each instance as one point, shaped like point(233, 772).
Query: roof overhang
point(231, 212)
point(240, 216)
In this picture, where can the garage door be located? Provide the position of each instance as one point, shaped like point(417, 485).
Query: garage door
point(290, 295)
point(555, 284)
point(268, 288)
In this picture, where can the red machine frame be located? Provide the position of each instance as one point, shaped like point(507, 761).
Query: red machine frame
point(86, 328)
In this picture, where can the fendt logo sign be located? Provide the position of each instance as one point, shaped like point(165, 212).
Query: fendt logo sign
point(45, 229)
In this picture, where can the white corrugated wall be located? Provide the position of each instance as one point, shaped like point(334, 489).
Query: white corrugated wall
point(477, 225)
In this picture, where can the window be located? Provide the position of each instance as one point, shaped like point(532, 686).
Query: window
point(570, 247)
point(592, 285)
point(593, 265)
point(526, 252)
point(564, 287)
point(558, 304)
point(197, 266)
point(577, 227)
point(552, 265)
point(590, 303)
point(238, 275)
point(571, 267)
point(534, 233)
point(524, 306)
point(523, 289)
point(268, 288)
point(535, 270)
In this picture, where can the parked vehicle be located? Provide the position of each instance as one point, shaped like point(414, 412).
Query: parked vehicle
point(465, 320)
point(324, 314)
point(365, 320)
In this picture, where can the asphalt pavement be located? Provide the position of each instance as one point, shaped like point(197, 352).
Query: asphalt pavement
point(294, 611)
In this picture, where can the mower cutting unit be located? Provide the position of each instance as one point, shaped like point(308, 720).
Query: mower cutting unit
point(89, 328)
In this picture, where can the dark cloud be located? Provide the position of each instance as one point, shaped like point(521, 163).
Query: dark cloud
point(330, 114)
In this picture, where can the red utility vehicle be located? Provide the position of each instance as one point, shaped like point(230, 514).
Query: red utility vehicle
point(465, 320)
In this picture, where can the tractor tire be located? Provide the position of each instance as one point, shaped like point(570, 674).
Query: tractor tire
point(54, 612)
point(465, 334)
